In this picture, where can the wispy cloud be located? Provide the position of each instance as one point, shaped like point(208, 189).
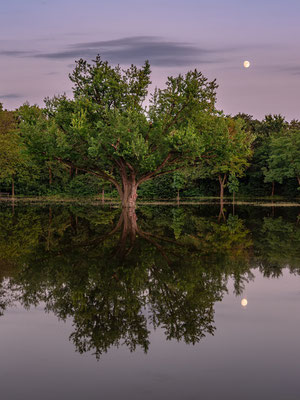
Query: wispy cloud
point(293, 70)
point(288, 68)
point(10, 96)
point(159, 51)
point(137, 49)
point(16, 53)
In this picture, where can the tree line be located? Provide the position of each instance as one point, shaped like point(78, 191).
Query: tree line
point(114, 136)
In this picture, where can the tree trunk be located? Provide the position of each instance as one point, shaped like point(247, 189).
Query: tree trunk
point(178, 197)
point(222, 184)
point(129, 196)
point(129, 191)
point(72, 172)
point(221, 192)
point(13, 188)
point(273, 188)
point(298, 178)
point(50, 176)
point(102, 196)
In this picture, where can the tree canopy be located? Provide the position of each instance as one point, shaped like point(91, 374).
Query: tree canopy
point(108, 131)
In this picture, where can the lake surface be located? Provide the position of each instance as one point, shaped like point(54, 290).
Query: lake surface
point(170, 303)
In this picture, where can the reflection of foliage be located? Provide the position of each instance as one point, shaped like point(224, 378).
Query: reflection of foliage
point(178, 221)
point(278, 245)
point(18, 236)
point(115, 278)
point(230, 238)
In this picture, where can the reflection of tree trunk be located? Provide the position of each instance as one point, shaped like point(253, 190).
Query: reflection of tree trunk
point(128, 232)
point(273, 188)
point(73, 223)
point(221, 213)
point(49, 229)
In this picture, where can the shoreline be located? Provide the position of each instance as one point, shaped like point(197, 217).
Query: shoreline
point(259, 202)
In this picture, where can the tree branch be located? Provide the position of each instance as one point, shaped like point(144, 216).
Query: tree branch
point(150, 174)
point(101, 174)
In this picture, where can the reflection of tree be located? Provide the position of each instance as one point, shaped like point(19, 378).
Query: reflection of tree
point(278, 246)
point(19, 234)
point(114, 275)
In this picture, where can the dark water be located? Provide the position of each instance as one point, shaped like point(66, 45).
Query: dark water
point(96, 304)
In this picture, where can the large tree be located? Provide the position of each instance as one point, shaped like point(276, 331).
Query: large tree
point(107, 130)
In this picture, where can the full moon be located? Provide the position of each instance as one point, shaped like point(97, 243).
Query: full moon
point(246, 64)
point(244, 302)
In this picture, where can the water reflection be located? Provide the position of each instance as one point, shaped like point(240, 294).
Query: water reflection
point(117, 275)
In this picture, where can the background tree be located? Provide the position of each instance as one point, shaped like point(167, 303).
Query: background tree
point(284, 157)
point(179, 181)
point(270, 125)
point(13, 160)
point(228, 150)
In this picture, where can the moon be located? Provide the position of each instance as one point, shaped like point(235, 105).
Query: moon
point(247, 64)
point(244, 302)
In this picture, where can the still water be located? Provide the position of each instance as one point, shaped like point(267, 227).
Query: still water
point(99, 304)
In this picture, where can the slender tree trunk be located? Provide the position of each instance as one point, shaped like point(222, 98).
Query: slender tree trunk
point(178, 197)
point(298, 179)
point(273, 188)
point(102, 196)
point(233, 202)
point(13, 188)
point(50, 176)
point(222, 184)
point(222, 181)
point(72, 172)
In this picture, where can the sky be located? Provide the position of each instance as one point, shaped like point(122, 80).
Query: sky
point(41, 39)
